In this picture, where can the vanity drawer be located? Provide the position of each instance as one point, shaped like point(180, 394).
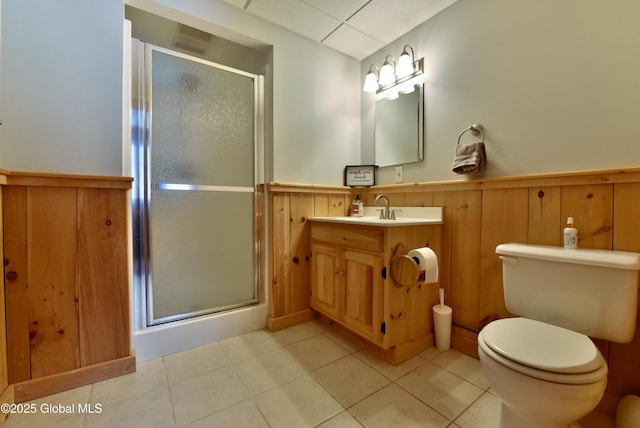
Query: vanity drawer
point(361, 238)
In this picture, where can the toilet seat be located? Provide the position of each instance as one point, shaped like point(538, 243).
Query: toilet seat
point(543, 351)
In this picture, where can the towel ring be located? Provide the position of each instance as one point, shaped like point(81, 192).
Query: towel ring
point(476, 129)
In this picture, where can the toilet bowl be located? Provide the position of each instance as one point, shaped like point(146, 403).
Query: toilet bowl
point(543, 364)
point(546, 376)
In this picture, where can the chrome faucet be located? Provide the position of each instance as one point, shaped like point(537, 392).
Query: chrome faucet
point(383, 214)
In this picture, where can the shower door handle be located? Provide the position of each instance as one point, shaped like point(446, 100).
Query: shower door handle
point(202, 187)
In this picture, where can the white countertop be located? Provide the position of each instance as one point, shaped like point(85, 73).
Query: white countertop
point(405, 216)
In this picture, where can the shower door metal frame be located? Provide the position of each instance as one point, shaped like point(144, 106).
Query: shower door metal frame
point(141, 144)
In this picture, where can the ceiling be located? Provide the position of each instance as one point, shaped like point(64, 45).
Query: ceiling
point(357, 28)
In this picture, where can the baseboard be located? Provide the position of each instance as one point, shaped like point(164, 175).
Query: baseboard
point(6, 397)
point(52, 384)
point(608, 404)
point(465, 341)
point(395, 355)
point(279, 323)
point(399, 354)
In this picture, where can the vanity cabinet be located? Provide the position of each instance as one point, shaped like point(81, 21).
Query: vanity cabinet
point(351, 284)
point(347, 285)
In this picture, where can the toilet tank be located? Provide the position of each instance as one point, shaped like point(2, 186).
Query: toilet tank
point(591, 291)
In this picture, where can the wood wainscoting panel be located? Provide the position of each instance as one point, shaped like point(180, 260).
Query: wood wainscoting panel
point(16, 283)
point(545, 224)
point(302, 207)
point(66, 281)
point(103, 276)
point(330, 204)
point(624, 376)
point(504, 219)
point(419, 199)
point(290, 255)
point(460, 254)
point(53, 294)
point(321, 204)
point(591, 207)
point(279, 300)
point(4, 375)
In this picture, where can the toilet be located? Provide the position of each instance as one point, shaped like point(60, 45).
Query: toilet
point(543, 364)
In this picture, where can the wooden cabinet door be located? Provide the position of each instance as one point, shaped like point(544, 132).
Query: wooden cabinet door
point(364, 292)
point(326, 277)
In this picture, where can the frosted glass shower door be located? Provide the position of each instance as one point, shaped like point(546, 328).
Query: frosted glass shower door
point(200, 187)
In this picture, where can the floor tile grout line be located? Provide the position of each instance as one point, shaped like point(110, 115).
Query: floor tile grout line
point(353, 353)
point(469, 406)
point(166, 379)
point(426, 404)
point(391, 382)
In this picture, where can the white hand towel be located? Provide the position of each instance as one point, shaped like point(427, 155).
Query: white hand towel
point(470, 158)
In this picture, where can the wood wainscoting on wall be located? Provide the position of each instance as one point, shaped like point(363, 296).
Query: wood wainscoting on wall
point(478, 215)
point(289, 284)
point(66, 281)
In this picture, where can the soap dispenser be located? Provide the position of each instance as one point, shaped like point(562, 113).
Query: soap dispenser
point(570, 234)
point(357, 207)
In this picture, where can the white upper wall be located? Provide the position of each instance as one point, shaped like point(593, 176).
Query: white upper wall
point(555, 85)
point(61, 86)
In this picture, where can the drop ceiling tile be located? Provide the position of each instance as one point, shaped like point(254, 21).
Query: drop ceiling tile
point(352, 42)
point(339, 9)
point(370, 23)
point(296, 16)
point(386, 20)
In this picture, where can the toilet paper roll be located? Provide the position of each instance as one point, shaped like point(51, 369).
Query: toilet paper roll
point(427, 262)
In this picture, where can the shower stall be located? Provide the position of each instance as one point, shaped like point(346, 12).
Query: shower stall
point(196, 137)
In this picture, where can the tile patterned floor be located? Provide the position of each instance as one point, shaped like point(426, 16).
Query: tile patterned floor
point(305, 376)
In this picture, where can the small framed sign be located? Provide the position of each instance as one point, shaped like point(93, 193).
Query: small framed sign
point(360, 175)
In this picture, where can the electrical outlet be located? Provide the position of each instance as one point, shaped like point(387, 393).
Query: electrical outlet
point(399, 174)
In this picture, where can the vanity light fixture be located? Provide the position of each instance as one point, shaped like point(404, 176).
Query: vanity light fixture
point(394, 78)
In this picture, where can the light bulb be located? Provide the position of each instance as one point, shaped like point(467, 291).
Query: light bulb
point(370, 82)
point(387, 76)
point(405, 65)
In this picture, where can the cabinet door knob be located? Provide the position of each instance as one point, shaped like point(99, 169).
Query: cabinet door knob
point(339, 273)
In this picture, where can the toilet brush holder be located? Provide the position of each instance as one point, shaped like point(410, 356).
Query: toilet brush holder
point(442, 315)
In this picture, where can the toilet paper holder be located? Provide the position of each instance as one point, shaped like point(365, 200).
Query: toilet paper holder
point(404, 271)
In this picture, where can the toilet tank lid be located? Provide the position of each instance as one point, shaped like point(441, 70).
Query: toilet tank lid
point(585, 256)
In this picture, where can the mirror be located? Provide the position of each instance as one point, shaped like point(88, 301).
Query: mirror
point(399, 130)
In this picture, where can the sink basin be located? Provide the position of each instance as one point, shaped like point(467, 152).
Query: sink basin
point(405, 216)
